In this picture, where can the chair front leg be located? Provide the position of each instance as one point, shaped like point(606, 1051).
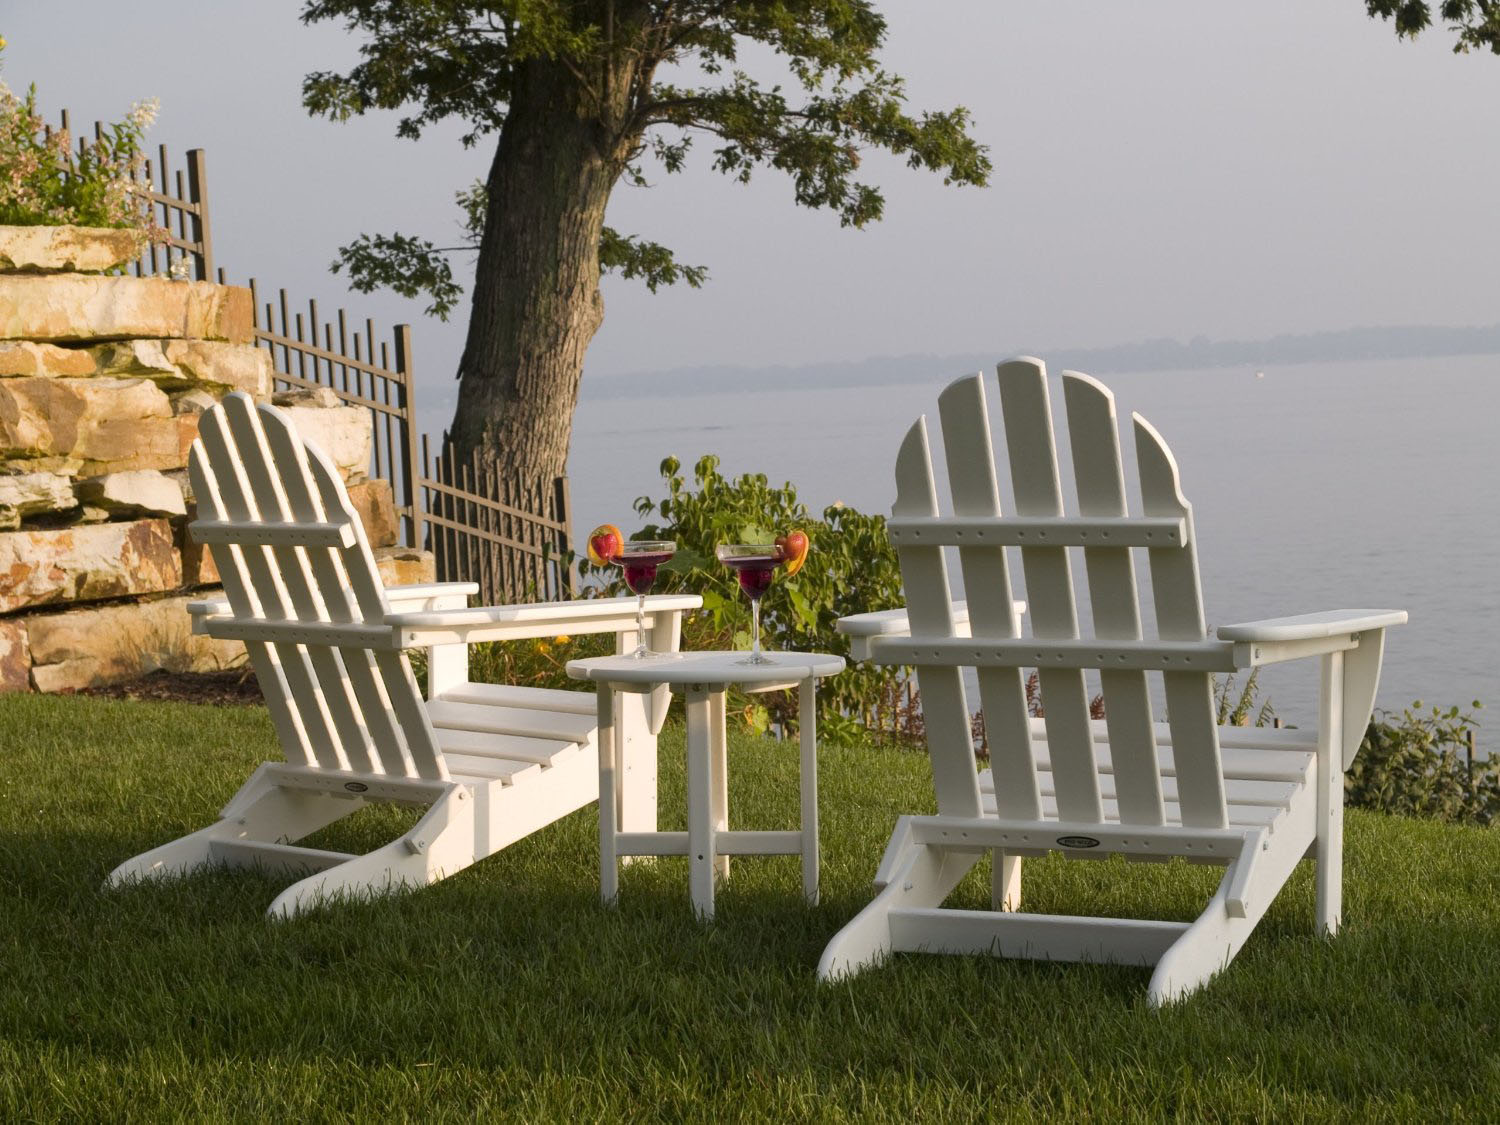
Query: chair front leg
point(447, 668)
point(1330, 783)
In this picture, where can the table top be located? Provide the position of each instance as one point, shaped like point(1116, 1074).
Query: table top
point(706, 668)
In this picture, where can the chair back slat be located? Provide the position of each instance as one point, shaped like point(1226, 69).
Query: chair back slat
point(929, 607)
point(1027, 412)
point(405, 700)
point(970, 454)
point(265, 659)
point(372, 739)
point(1094, 434)
point(354, 709)
point(226, 464)
point(271, 473)
point(1179, 616)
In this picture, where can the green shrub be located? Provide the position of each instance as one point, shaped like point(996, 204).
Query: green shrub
point(851, 568)
point(1421, 763)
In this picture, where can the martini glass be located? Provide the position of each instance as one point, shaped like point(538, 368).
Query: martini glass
point(639, 561)
point(754, 564)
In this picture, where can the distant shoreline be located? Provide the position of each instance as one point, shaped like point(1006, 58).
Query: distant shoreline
point(1346, 345)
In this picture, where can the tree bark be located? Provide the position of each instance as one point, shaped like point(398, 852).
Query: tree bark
point(536, 288)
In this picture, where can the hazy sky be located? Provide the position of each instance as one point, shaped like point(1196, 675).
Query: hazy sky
point(1166, 169)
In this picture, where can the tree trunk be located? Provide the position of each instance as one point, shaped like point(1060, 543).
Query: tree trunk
point(536, 288)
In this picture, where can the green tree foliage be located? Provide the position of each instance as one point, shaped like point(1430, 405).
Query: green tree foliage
point(1476, 22)
point(577, 97)
point(441, 60)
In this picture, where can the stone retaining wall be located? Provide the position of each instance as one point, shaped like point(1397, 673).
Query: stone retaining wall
point(102, 380)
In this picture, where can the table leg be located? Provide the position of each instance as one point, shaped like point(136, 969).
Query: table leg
point(701, 853)
point(720, 820)
point(807, 702)
point(609, 872)
point(635, 765)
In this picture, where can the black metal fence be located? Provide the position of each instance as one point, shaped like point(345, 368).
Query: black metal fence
point(509, 535)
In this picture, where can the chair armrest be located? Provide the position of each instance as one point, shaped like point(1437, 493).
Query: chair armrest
point(1277, 639)
point(430, 596)
point(201, 611)
point(538, 619)
point(1312, 626)
point(861, 627)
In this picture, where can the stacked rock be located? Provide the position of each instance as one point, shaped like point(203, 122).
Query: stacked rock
point(102, 380)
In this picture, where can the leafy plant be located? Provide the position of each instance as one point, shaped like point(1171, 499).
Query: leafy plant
point(1421, 763)
point(45, 181)
point(851, 568)
point(1236, 710)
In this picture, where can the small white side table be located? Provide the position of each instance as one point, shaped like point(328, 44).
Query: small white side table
point(708, 843)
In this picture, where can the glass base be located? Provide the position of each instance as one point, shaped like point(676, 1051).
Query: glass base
point(648, 654)
point(755, 659)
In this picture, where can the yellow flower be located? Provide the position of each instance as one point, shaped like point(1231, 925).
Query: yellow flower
point(2, 42)
point(561, 640)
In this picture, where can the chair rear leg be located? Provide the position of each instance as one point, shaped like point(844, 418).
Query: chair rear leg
point(261, 811)
point(1005, 882)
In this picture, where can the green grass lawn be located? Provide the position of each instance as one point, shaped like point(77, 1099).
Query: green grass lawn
point(508, 991)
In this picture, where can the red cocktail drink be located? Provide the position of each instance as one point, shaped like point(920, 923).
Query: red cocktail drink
point(754, 565)
point(754, 572)
point(639, 561)
point(640, 568)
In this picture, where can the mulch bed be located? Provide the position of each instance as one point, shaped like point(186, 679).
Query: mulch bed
point(235, 687)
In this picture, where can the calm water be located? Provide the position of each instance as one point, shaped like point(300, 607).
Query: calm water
point(1370, 484)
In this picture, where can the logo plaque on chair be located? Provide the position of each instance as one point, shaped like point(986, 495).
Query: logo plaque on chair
point(1077, 842)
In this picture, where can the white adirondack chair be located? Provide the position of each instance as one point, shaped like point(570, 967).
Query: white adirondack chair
point(491, 762)
point(1253, 800)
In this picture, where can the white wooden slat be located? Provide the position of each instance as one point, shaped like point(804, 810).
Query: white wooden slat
point(297, 631)
point(236, 496)
point(270, 469)
point(369, 593)
point(1236, 790)
point(503, 770)
point(1016, 531)
point(381, 742)
point(265, 660)
point(1094, 434)
point(516, 695)
point(1206, 656)
point(1261, 765)
point(564, 725)
point(1179, 616)
point(1049, 580)
point(271, 533)
point(1258, 738)
point(521, 748)
point(929, 603)
point(1002, 691)
point(1255, 816)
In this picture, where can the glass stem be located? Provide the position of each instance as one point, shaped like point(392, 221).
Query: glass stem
point(640, 625)
point(755, 630)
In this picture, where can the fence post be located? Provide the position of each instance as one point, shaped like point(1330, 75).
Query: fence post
point(197, 170)
point(562, 501)
point(410, 493)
